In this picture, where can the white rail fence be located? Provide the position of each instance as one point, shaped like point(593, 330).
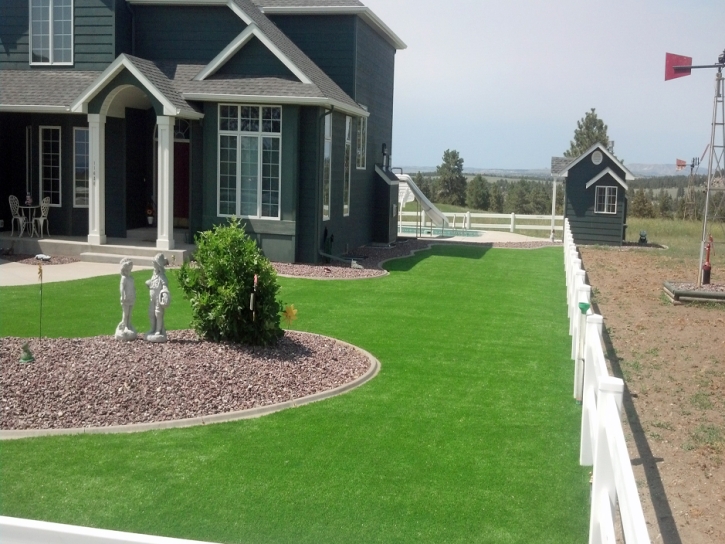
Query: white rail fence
point(474, 221)
point(602, 438)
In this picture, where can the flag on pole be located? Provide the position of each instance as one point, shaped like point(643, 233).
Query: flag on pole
point(680, 164)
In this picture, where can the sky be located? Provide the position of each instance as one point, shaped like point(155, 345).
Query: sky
point(505, 81)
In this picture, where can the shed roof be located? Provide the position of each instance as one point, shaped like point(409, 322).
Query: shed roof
point(627, 174)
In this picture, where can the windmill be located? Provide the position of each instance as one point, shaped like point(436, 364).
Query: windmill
point(680, 66)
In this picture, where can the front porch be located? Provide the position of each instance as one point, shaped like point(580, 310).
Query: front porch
point(139, 245)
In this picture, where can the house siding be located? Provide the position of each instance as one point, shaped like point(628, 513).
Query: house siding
point(328, 40)
point(375, 72)
point(587, 226)
point(93, 35)
point(182, 33)
point(254, 59)
point(309, 206)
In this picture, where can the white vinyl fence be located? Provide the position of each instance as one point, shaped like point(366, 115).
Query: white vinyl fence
point(485, 221)
point(602, 438)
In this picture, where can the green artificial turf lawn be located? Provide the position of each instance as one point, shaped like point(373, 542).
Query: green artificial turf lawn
point(468, 434)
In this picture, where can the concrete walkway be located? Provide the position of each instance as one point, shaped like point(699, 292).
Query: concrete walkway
point(24, 274)
point(27, 274)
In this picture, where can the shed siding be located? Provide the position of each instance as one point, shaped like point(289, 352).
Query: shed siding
point(188, 33)
point(328, 40)
point(587, 226)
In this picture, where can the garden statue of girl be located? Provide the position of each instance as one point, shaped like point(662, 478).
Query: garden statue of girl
point(125, 330)
point(160, 300)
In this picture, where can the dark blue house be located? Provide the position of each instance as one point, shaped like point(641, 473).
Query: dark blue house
point(194, 111)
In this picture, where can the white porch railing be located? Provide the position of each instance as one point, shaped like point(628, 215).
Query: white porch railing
point(602, 438)
point(30, 531)
point(496, 221)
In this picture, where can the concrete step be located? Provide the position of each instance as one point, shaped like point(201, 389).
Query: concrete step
point(138, 260)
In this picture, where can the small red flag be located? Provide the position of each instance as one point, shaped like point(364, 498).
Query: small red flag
point(680, 164)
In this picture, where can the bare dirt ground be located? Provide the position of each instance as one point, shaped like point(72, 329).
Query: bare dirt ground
point(672, 359)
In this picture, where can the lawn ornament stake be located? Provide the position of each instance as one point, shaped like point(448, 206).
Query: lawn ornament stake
point(125, 330)
point(27, 355)
point(160, 299)
point(251, 299)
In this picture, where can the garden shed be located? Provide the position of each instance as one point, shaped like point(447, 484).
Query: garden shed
point(596, 197)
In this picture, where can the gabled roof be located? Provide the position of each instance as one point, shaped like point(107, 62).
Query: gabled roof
point(558, 165)
point(627, 174)
point(605, 172)
point(150, 76)
point(331, 7)
point(238, 43)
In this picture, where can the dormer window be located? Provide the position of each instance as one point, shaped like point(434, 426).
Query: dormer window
point(51, 31)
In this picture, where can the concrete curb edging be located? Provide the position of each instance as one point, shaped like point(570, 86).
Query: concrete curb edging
point(249, 413)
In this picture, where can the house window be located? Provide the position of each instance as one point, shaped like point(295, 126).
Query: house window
point(50, 164)
point(605, 200)
point(348, 167)
point(249, 161)
point(80, 167)
point(362, 142)
point(51, 31)
point(327, 168)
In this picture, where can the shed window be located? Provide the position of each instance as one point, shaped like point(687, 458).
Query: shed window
point(249, 161)
point(606, 200)
point(51, 31)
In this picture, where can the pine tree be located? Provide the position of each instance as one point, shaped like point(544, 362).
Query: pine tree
point(450, 187)
point(641, 206)
point(478, 195)
point(589, 131)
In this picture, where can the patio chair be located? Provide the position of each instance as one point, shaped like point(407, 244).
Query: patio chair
point(17, 216)
point(43, 219)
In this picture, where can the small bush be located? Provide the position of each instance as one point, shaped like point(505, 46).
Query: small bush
point(219, 285)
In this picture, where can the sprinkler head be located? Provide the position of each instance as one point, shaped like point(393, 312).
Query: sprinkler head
point(583, 307)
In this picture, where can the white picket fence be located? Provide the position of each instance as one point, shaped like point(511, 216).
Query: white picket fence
point(602, 439)
point(474, 221)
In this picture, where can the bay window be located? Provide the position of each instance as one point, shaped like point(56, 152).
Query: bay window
point(249, 161)
point(81, 169)
point(347, 167)
point(327, 168)
point(50, 164)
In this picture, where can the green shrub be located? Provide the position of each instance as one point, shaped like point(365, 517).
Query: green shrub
point(219, 284)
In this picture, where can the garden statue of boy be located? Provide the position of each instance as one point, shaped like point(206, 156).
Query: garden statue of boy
point(160, 300)
point(125, 330)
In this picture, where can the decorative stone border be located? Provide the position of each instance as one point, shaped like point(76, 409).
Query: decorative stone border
point(250, 413)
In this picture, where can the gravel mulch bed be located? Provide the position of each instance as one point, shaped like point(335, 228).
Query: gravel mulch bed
point(371, 258)
point(100, 381)
point(687, 286)
point(30, 259)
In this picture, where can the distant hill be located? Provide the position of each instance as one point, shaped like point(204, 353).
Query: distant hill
point(638, 169)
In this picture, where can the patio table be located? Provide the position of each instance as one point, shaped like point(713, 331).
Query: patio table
point(29, 214)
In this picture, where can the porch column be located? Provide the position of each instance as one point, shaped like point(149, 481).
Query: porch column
point(97, 186)
point(165, 204)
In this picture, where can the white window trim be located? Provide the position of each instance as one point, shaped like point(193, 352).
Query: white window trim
point(240, 134)
point(50, 36)
point(60, 164)
point(75, 154)
point(347, 173)
point(607, 189)
point(329, 172)
point(361, 144)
